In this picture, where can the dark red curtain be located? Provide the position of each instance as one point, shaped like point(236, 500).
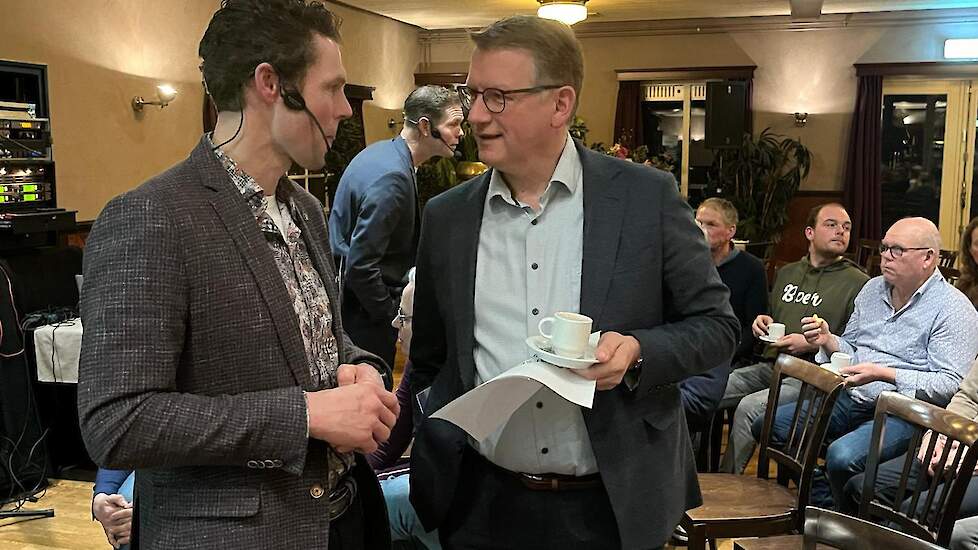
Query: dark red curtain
point(862, 193)
point(628, 114)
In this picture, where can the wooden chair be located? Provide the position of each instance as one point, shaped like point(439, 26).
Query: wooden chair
point(929, 517)
point(950, 274)
point(826, 529)
point(947, 258)
point(868, 256)
point(742, 506)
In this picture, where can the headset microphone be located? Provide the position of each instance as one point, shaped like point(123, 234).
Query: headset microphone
point(293, 100)
point(435, 133)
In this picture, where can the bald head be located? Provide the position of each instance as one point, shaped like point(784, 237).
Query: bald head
point(918, 243)
point(916, 232)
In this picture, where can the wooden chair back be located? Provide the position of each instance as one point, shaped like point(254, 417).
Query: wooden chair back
point(868, 256)
point(934, 502)
point(947, 258)
point(824, 527)
point(796, 458)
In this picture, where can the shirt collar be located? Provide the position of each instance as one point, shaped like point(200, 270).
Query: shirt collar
point(935, 278)
point(567, 173)
point(251, 191)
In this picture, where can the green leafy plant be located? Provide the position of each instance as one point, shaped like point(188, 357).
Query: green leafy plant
point(760, 177)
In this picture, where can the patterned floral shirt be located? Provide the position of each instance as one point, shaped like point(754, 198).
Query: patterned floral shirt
point(309, 297)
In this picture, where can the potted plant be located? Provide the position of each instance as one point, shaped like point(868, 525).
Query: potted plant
point(760, 177)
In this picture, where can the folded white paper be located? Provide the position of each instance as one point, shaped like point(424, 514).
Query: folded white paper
point(484, 409)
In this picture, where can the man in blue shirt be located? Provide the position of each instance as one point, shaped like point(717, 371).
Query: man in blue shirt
point(373, 226)
point(910, 332)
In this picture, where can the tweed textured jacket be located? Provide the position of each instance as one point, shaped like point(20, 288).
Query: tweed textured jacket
point(192, 367)
point(646, 272)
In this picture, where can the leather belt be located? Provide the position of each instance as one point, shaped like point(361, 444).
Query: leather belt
point(342, 497)
point(555, 482)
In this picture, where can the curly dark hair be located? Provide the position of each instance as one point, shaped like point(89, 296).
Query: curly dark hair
point(245, 33)
point(968, 283)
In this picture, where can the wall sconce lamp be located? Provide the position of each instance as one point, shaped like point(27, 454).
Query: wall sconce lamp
point(164, 95)
point(801, 119)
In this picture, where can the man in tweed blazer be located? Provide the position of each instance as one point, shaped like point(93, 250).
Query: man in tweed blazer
point(214, 359)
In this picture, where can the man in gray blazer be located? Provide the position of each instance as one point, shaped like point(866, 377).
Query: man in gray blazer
point(373, 226)
point(556, 227)
point(214, 359)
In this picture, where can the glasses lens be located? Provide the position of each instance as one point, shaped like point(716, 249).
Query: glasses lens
point(495, 100)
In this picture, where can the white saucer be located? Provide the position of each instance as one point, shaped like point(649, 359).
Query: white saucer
point(768, 339)
point(540, 346)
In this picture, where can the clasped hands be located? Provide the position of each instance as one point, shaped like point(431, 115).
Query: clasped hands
point(357, 415)
point(114, 513)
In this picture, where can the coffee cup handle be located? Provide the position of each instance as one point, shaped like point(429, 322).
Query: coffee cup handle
point(543, 332)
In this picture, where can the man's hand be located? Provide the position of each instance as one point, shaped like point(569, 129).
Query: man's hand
point(760, 324)
point(356, 416)
point(795, 344)
point(816, 331)
point(864, 373)
point(615, 353)
point(361, 372)
point(114, 513)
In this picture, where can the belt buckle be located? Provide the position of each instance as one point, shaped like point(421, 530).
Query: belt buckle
point(341, 498)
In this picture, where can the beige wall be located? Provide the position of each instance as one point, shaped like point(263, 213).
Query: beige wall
point(382, 53)
point(808, 71)
point(100, 53)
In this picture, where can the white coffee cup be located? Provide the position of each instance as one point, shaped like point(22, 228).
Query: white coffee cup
point(839, 360)
point(775, 330)
point(570, 333)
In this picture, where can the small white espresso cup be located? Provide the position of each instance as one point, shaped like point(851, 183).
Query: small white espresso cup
point(839, 360)
point(569, 333)
point(775, 330)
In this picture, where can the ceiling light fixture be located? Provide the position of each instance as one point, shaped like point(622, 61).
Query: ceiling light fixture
point(565, 11)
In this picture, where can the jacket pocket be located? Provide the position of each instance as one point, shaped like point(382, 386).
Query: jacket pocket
point(220, 501)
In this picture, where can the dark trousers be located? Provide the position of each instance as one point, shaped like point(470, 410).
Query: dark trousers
point(494, 510)
point(347, 532)
point(373, 335)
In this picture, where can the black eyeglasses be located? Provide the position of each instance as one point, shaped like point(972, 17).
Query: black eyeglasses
point(897, 251)
point(401, 319)
point(494, 98)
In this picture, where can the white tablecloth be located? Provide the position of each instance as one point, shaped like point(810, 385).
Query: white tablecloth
point(56, 348)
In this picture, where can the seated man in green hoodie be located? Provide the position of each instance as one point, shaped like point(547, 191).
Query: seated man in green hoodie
point(823, 283)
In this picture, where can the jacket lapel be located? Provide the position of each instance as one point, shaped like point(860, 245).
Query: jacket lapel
point(464, 250)
point(602, 230)
point(251, 244)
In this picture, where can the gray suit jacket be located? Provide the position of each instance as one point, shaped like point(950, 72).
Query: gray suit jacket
point(646, 272)
point(192, 366)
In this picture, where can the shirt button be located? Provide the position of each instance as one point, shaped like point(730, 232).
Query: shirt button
point(539, 404)
point(316, 491)
point(544, 450)
point(534, 265)
point(533, 221)
point(535, 311)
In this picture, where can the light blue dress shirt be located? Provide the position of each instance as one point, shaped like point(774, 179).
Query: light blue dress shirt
point(529, 267)
point(931, 341)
